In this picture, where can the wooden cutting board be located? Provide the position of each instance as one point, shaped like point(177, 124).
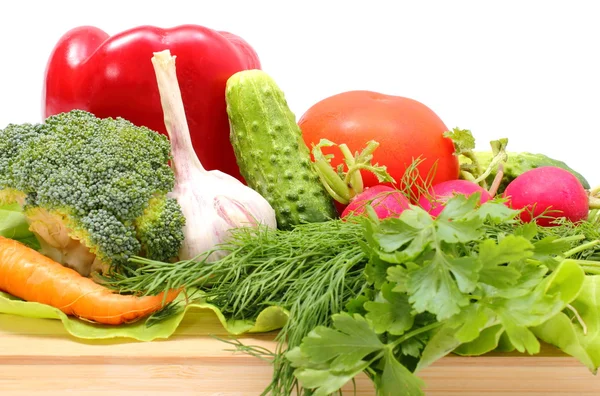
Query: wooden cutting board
point(45, 360)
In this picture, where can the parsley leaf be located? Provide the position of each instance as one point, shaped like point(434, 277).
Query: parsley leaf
point(495, 212)
point(494, 256)
point(376, 270)
point(463, 140)
point(509, 248)
point(413, 231)
point(330, 357)
point(439, 345)
point(459, 230)
point(432, 288)
point(396, 379)
point(550, 246)
point(459, 207)
point(392, 234)
point(349, 341)
point(413, 346)
point(527, 230)
point(391, 313)
point(400, 276)
point(470, 322)
point(327, 381)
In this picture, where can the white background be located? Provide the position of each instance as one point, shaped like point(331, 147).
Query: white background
point(526, 70)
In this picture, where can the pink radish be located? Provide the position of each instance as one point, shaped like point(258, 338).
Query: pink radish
point(550, 192)
point(385, 200)
point(434, 201)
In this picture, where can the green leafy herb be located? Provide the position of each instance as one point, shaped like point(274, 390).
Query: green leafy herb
point(390, 297)
point(464, 145)
point(390, 312)
point(312, 272)
point(478, 284)
point(330, 357)
point(342, 184)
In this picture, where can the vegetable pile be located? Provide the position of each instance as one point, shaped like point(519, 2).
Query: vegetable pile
point(376, 239)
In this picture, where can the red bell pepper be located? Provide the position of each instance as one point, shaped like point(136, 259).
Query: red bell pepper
point(114, 77)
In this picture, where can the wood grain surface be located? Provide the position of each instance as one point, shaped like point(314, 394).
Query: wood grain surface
point(45, 360)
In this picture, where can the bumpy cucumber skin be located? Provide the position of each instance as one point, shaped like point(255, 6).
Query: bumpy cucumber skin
point(519, 163)
point(270, 151)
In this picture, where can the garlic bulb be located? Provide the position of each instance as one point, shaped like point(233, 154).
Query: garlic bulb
point(212, 201)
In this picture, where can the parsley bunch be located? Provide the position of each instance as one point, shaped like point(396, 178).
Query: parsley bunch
point(473, 279)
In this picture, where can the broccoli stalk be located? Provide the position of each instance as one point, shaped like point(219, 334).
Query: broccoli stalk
point(95, 191)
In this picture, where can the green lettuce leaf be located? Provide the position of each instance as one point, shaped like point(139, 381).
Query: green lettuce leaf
point(14, 225)
point(271, 318)
point(568, 334)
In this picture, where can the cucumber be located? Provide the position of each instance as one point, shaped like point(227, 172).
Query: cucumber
point(271, 153)
point(521, 162)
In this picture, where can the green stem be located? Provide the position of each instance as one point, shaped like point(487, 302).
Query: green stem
point(571, 238)
point(594, 202)
point(590, 270)
point(497, 181)
point(332, 182)
point(413, 333)
point(588, 263)
point(580, 248)
point(352, 178)
point(493, 164)
point(465, 175)
point(343, 188)
point(370, 149)
point(475, 164)
point(595, 190)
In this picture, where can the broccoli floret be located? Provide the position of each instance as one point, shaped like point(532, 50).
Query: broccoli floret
point(12, 139)
point(160, 228)
point(102, 182)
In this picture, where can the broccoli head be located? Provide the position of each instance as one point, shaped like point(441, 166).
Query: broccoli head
point(95, 190)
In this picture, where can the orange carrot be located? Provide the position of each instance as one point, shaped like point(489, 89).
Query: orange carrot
point(31, 276)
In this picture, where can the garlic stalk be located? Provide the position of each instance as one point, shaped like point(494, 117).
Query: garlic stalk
point(213, 202)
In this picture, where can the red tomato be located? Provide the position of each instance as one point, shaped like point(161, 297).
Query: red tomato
point(404, 128)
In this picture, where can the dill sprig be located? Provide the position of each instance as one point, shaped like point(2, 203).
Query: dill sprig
point(312, 271)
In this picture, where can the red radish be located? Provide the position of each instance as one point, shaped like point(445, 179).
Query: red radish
point(434, 201)
point(550, 192)
point(385, 200)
